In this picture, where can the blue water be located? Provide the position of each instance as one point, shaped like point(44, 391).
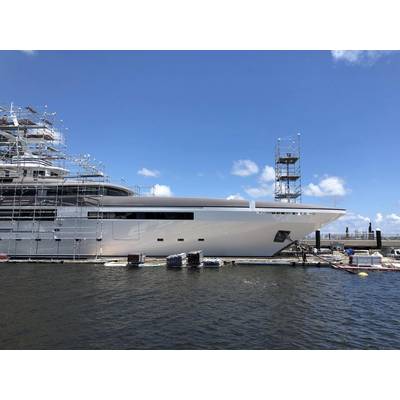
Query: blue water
point(247, 307)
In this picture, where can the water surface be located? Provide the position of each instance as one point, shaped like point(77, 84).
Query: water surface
point(62, 306)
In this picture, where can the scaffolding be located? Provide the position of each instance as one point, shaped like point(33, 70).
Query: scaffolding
point(35, 174)
point(287, 170)
point(34, 135)
point(40, 182)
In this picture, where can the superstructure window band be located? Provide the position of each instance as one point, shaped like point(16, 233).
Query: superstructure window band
point(22, 214)
point(154, 215)
point(49, 191)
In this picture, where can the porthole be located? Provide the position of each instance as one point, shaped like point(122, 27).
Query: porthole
point(180, 240)
point(160, 239)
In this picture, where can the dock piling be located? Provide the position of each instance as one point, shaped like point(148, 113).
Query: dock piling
point(378, 239)
point(318, 239)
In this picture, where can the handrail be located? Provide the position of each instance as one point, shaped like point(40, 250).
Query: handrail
point(354, 236)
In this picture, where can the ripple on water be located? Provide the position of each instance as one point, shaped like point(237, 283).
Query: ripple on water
point(246, 307)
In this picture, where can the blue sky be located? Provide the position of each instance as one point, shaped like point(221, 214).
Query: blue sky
point(187, 117)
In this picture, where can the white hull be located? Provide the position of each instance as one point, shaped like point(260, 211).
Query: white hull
point(225, 232)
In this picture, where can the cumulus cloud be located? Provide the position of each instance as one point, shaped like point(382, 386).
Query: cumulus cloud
point(329, 186)
point(267, 174)
point(264, 190)
point(389, 223)
point(378, 218)
point(394, 218)
point(353, 221)
point(236, 196)
point(358, 56)
point(244, 168)
point(351, 216)
point(148, 172)
point(161, 191)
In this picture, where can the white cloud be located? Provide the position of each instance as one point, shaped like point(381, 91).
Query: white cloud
point(353, 221)
point(363, 219)
point(267, 174)
point(236, 196)
point(358, 56)
point(244, 168)
point(394, 218)
point(263, 190)
point(161, 191)
point(148, 172)
point(313, 190)
point(389, 224)
point(378, 218)
point(329, 186)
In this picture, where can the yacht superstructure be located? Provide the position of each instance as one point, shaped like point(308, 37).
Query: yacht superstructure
point(49, 209)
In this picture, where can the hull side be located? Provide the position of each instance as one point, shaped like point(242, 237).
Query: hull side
point(234, 232)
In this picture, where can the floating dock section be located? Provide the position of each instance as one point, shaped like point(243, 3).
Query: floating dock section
point(195, 258)
point(177, 260)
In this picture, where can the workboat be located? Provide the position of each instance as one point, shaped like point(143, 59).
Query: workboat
point(60, 206)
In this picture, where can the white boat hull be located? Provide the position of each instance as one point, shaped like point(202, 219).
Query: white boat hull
point(218, 232)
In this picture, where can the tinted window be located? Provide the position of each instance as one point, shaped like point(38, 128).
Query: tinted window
point(24, 214)
point(114, 192)
point(63, 191)
point(141, 215)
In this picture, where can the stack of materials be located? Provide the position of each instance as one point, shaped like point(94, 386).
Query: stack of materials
point(136, 259)
point(212, 262)
point(195, 258)
point(177, 260)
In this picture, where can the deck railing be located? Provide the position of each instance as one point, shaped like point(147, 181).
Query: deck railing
point(355, 236)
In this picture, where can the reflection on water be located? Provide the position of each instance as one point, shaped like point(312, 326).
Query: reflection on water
point(98, 307)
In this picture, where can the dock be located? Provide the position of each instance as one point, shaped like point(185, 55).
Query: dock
point(337, 260)
point(373, 240)
point(292, 261)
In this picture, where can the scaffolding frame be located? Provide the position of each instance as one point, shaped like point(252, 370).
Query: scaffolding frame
point(32, 138)
point(35, 174)
point(288, 170)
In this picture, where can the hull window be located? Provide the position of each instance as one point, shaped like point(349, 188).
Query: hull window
point(141, 215)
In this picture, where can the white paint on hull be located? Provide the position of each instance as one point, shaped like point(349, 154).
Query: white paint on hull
point(226, 232)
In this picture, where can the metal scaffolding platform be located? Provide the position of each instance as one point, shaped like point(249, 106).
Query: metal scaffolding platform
point(287, 170)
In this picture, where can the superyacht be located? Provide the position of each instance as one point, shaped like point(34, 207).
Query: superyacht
point(53, 205)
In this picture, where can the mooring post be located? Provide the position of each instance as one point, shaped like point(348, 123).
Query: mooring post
point(318, 239)
point(378, 239)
